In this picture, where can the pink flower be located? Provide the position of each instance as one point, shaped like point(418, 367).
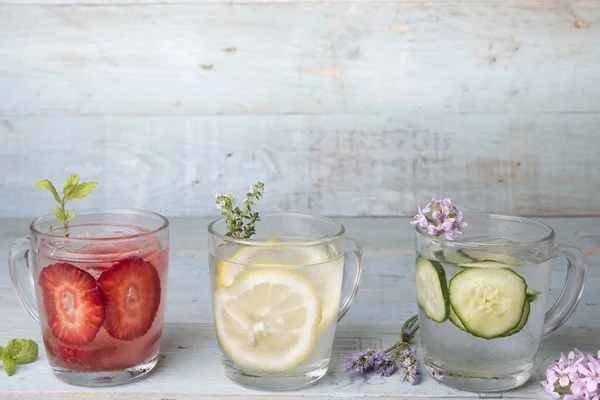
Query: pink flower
point(589, 374)
point(578, 374)
point(440, 217)
point(420, 219)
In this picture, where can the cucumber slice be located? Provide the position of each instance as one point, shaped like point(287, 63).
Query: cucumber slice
point(439, 255)
point(432, 289)
point(456, 321)
point(489, 302)
point(523, 321)
point(482, 255)
point(483, 264)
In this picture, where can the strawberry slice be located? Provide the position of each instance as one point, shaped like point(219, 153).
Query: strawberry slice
point(72, 303)
point(87, 358)
point(94, 359)
point(131, 293)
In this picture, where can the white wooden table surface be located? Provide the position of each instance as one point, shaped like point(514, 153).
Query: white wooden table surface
point(189, 364)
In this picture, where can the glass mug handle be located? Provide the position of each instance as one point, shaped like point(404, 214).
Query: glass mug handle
point(354, 251)
point(19, 266)
point(571, 292)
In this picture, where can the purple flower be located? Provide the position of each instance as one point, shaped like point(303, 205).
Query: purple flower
point(384, 365)
point(360, 361)
point(414, 374)
point(398, 357)
point(408, 352)
point(440, 217)
point(409, 365)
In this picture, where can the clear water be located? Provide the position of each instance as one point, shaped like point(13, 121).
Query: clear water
point(454, 351)
point(325, 272)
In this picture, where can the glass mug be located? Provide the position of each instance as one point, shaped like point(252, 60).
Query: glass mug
point(278, 297)
point(98, 290)
point(482, 300)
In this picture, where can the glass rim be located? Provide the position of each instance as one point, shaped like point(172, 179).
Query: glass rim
point(548, 236)
point(99, 211)
point(249, 242)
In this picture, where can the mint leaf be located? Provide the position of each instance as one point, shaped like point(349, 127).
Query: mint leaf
point(13, 347)
point(61, 214)
point(80, 191)
point(72, 190)
point(10, 365)
point(72, 180)
point(28, 352)
point(46, 184)
point(70, 183)
point(71, 216)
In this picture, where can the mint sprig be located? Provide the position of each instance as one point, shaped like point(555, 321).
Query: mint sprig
point(18, 351)
point(72, 190)
point(240, 222)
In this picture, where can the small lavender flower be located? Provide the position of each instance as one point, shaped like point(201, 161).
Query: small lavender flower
point(360, 361)
point(384, 364)
point(414, 374)
point(440, 217)
point(398, 357)
point(408, 353)
point(411, 372)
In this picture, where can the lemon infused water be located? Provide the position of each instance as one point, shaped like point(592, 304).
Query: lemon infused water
point(277, 301)
point(482, 300)
point(280, 319)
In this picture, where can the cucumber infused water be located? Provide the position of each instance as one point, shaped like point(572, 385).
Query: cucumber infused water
point(481, 292)
point(481, 312)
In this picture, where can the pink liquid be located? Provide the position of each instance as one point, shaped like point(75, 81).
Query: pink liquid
point(104, 352)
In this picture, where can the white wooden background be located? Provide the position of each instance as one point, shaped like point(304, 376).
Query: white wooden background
point(340, 107)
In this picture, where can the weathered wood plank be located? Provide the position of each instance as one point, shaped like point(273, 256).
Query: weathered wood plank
point(332, 165)
point(343, 109)
point(385, 300)
point(297, 58)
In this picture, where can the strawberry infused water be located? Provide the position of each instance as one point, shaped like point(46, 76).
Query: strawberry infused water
point(101, 295)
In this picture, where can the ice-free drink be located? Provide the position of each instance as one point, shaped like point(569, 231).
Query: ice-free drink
point(482, 300)
point(481, 315)
point(277, 300)
point(276, 310)
point(102, 305)
point(100, 295)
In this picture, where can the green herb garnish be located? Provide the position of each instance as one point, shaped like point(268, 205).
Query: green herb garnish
point(237, 227)
point(72, 190)
point(18, 351)
point(532, 295)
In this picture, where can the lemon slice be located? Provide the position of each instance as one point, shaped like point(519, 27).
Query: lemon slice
point(268, 320)
point(228, 271)
point(327, 279)
point(312, 262)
